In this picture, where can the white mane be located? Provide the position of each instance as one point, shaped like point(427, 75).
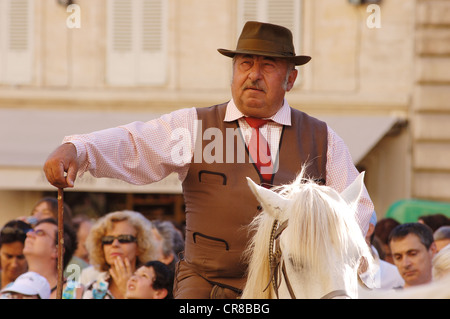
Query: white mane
point(322, 245)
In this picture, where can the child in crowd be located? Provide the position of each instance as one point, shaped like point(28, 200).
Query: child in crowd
point(29, 285)
point(154, 280)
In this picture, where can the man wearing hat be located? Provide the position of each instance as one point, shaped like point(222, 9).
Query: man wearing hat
point(256, 134)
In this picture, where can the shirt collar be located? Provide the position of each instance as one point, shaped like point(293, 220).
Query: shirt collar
point(283, 116)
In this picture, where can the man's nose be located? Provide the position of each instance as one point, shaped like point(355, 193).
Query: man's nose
point(406, 262)
point(15, 262)
point(255, 72)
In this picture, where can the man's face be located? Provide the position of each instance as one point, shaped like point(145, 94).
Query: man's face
point(82, 235)
point(413, 259)
point(260, 83)
point(12, 260)
point(16, 295)
point(42, 211)
point(41, 242)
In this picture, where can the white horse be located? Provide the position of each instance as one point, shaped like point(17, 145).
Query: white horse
point(308, 244)
point(319, 246)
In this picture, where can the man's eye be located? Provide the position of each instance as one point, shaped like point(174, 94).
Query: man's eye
point(268, 67)
point(246, 65)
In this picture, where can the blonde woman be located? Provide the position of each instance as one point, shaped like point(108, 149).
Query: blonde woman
point(118, 244)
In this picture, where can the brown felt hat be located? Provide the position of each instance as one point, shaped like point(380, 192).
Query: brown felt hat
point(266, 39)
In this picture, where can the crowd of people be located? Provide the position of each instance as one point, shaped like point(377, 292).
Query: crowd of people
point(124, 255)
point(121, 255)
point(418, 251)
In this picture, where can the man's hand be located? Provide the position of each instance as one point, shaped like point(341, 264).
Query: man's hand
point(62, 160)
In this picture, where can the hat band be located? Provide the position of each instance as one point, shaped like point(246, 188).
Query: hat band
point(264, 46)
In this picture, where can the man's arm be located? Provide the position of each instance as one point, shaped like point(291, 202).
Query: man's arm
point(138, 153)
point(341, 172)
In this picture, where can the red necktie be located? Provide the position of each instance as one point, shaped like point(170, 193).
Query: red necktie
point(259, 149)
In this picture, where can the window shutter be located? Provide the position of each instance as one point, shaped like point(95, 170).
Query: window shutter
point(152, 50)
point(16, 40)
point(120, 63)
point(136, 50)
point(286, 13)
point(249, 10)
point(283, 12)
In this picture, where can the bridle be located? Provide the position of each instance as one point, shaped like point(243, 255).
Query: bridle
point(275, 259)
point(276, 262)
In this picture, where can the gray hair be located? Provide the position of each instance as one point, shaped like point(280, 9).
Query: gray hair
point(173, 242)
point(442, 232)
point(422, 231)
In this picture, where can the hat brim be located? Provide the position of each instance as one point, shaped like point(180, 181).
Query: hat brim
point(297, 60)
point(21, 289)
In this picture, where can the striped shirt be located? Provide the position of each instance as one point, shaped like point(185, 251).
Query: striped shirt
point(146, 152)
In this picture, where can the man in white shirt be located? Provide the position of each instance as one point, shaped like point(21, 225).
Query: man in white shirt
point(218, 201)
point(386, 275)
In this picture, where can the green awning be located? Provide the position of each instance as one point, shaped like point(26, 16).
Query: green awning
point(409, 210)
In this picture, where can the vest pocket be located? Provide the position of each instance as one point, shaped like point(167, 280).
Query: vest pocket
point(211, 240)
point(209, 177)
point(212, 257)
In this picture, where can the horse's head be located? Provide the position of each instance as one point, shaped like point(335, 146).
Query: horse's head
point(276, 202)
point(320, 246)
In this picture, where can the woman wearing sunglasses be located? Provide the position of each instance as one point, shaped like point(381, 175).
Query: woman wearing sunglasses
point(118, 244)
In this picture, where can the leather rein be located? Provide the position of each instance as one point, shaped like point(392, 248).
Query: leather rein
point(276, 262)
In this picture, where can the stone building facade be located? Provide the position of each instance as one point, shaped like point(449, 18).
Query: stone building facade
point(385, 88)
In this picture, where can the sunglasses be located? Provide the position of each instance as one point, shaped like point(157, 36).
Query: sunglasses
point(123, 239)
point(38, 232)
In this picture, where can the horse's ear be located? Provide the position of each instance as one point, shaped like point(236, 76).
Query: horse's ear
point(270, 201)
point(354, 191)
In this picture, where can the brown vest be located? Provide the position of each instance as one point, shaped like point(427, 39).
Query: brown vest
point(219, 203)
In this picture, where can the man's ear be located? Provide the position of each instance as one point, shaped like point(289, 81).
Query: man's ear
point(160, 293)
point(55, 252)
point(433, 249)
point(167, 259)
point(291, 79)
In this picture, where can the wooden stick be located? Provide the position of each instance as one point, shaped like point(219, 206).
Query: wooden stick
point(60, 266)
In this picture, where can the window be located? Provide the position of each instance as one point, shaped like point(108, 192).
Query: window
point(283, 12)
point(16, 54)
point(136, 42)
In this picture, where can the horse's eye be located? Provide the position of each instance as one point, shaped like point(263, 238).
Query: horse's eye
point(295, 264)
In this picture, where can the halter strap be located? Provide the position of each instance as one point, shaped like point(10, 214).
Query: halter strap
point(280, 229)
point(275, 260)
point(335, 293)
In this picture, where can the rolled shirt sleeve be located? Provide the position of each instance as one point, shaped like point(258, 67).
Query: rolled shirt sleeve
point(140, 152)
point(341, 172)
